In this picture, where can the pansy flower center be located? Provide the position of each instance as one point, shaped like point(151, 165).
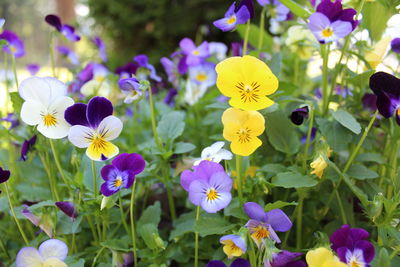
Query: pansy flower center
point(231, 20)
point(100, 78)
point(196, 52)
point(49, 120)
point(244, 135)
point(260, 232)
point(248, 92)
point(327, 32)
point(99, 142)
point(201, 77)
point(398, 112)
point(13, 49)
point(355, 263)
point(212, 194)
point(118, 181)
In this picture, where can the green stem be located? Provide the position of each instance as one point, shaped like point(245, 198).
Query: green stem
point(299, 220)
point(58, 164)
point(94, 180)
point(196, 240)
point(3, 247)
point(153, 119)
point(53, 64)
point(246, 38)
point(170, 197)
point(393, 169)
point(261, 30)
point(310, 126)
point(94, 233)
point(15, 216)
point(325, 93)
point(342, 212)
point(132, 217)
point(8, 98)
point(97, 256)
point(122, 213)
point(47, 168)
point(253, 257)
point(14, 66)
point(239, 177)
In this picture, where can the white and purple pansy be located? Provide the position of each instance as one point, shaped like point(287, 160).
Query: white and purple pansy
point(232, 18)
point(130, 87)
point(265, 224)
point(93, 127)
point(121, 172)
point(208, 185)
point(52, 252)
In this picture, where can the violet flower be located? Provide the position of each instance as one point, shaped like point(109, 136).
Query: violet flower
point(67, 30)
point(51, 252)
point(395, 45)
point(249, 5)
point(33, 68)
point(352, 246)
point(69, 54)
point(239, 262)
point(14, 46)
point(170, 97)
point(102, 48)
point(194, 55)
point(171, 69)
point(121, 172)
point(299, 115)
point(203, 74)
point(143, 62)
point(130, 87)
point(232, 18)
point(369, 101)
point(208, 185)
point(67, 208)
point(26, 146)
point(4, 175)
point(386, 87)
point(278, 11)
point(236, 49)
point(127, 70)
point(285, 259)
point(264, 224)
point(331, 22)
point(12, 119)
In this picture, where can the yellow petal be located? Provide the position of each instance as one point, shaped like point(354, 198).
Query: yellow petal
point(231, 250)
point(245, 149)
point(107, 149)
point(230, 131)
point(255, 122)
point(317, 257)
point(54, 262)
point(333, 263)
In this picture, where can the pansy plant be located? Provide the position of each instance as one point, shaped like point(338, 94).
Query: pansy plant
point(93, 127)
point(233, 18)
point(52, 252)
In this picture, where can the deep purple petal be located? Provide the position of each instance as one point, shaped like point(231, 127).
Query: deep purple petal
point(395, 45)
point(15, 45)
point(255, 211)
point(97, 109)
point(369, 101)
point(26, 146)
point(349, 15)
point(170, 97)
point(142, 60)
point(4, 175)
point(109, 172)
point(87, 73)
point(299, 115)
point(129, 84)
point(283, 258)
point(68, 208)
point(230, 11)
point(339, 238)
point(106, 190)
point(386, 105)
point(243, 15)
point(384, 82)
point(367, 248)
point(33, 68)
point(132, 162)
point(69, 32)
point(240, 263)
point(54, 20)
point(278, 220)
point(330, 9)
point(130, 178)
point(296, 264)
point(182, 66)
point(249, 5)
point(216, 263)
point(76, 114)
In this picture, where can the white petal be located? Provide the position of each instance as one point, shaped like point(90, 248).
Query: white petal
point(197, 161)
point(57, 88)
point(30, 112)
point(35, 89)
point(28, 257)
point(53, 248)
point(110, 128)
point(223, 154)
point(94, 87)
point(80, 135)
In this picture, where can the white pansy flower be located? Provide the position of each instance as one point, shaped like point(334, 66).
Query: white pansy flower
point(214, 153)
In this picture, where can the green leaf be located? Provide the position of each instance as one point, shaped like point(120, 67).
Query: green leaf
point(361, 79)
point(149, 233)
point(17, 101)
point(371, 157)
point(122, 244)
point(281, 133)
point(182, 147)
point(375, 18)
point(361, 172)
point(74, 262)
point(273, 168)
point(171, 126)
point(212, 224)
point(383, 259)
point(296, 8)
point(152, 215)
point(254, 35)
point(235, 209)
point(293, 180)
point(278, 205)
point(337, 136)
point(184, 224)
point(347, 120)
point(3, 42)
point(276, 63)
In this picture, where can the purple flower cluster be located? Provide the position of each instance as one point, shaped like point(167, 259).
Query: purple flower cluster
point(65, 29)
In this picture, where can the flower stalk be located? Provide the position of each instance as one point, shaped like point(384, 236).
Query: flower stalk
point(132, 218)
point(196, 240)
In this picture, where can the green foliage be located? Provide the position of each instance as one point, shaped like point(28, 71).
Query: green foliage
point(293, 180)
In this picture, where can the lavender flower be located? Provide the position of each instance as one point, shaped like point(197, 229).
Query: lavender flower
point(170, 97)
point(236, 263)
point(67, 30)
point(278, 11)
point(14, 46)
point(130, 87)
point(26, 146)
point(42, 223)
point(121, 173)
point(102, 48)
point(68, 208)
point(208, 186)
point(194, 55)
point(4, 175)
point(69, 54)
point(12, 119)
point(33, 68)
point(146, 69)
point(51, 252)
point(232, 18)
point(264, 224)
point(203, 74)
point(299, 115)
point(218, 50)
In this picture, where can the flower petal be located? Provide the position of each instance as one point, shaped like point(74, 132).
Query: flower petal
point(54, 262)
point(255, 211)
point(216, 263)
point(240, 263)
point(107, 188)
point(197, 191)
point(133, 162)
point(341, 28)
point(28, 257)
point(31, 112)
point(110, 128)
point(187, 45)
point(318, 22)
point(245, 149)
point(212, 206)
point(98, 109)
point(243, 15)
point(35, 89)
point(76, 114)
point(80, 136)
point(221, 182)
point(104, 152)
point(53, 248)
point(278, 220)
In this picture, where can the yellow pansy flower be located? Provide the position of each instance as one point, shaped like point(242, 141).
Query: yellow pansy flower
point(319, 165)
point(241, 128)
point(375, 57)
point(246, 80)
point(322, 257)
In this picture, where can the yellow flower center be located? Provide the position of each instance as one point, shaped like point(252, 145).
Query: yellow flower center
point(201, 77)
point(99, 143)
point(49, 120)
point(260, 232)
point(118, 182)
point(212, 194)
point(231, 20)
point(327, 32)
point(13, 49)
point(244, 135)
point(248, 92)
point(398, 111)
point(231, 250)
point(100, 79)
point(196, 52)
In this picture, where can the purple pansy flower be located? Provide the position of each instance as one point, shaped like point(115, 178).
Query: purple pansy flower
point(395, 45)
point(4, 175)
point(264, 224)
point(143, 62)
point(33, 68)
point(170, 97)
point(239, 262)
point(12, 118)
point(67, 30)
point(369, 101)
point(285, 259)
point(299, 115)
point(278, 11)
point(234, 245)
point(130, 87)
point(15, 45)
point(26, 146)
point(233, 18)
point(171, 69)
point(127, 70)
point(331, 22)
point(68, 208)
point(101, 46)
point(386, 87)
point(250, 7)
point(352, 247)
point(65, 51)
point(121, 172)
point(203, 74)
point(93, 127)
point(208, 185)
point(194, 55)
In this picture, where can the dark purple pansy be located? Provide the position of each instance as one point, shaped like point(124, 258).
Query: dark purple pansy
point(26, 146)
point(54, 20)
point(352, 246)
point(369, 101)
point(335, 12)
point(236, 49)
point(4, 175)
point(170, 97)
point(102, 48)
point(285, 259)
point(68, 208)
point(15, 45)
point(395, 45)
point(249, 5)
point(130, 87)
point(121, 172)
point(236, 263)
point(33, 68)
point(233, 16)
point(67, 30)
point(299, 115)
point(386, 87)
point(12, 119)
point(127, 70)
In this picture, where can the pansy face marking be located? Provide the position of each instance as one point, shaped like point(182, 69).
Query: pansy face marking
point(49, 119)
point(212, 194)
